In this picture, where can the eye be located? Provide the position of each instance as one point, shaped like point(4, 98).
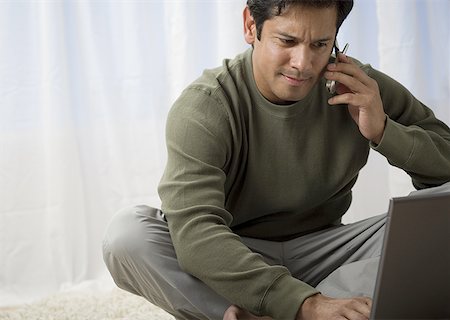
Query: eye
point(320, 45)
point(287, 41)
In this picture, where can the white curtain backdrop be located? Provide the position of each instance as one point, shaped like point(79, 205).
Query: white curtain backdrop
point(85, 87)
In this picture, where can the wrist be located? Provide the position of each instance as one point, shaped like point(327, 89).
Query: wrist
point(377, 139)
point(307, 306)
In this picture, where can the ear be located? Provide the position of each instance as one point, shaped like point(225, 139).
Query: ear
point(249, 27)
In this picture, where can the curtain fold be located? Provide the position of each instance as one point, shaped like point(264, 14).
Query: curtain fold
point(85, 87)
point(414, 48)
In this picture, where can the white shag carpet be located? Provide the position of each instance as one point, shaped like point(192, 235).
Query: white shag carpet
point(113, 305)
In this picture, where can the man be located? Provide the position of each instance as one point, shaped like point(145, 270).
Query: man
point(261, 163)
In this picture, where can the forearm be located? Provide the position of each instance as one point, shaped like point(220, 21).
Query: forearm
point(414, 139)
point(423, 154)
point(208, 250)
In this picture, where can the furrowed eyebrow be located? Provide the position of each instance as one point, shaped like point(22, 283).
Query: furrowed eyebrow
point(323, 40)
point(282, 34)
point(286, 35)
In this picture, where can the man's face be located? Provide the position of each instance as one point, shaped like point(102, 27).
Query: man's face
point(293, 51)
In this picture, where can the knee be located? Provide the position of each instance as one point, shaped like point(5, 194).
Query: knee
point(125, 234)
point(135, 251)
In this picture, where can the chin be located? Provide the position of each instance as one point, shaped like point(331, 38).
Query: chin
point(295, 94)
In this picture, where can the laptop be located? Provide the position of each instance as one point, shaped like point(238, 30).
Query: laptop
point(413, 280)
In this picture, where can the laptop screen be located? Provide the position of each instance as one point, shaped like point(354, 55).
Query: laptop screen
point(413, 280)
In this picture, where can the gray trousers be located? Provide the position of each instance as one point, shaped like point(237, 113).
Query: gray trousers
point(340, 261)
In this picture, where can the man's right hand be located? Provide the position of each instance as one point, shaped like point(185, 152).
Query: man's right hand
point(320, 307)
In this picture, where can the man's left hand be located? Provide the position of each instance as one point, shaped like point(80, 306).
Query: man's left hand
point(362, 95)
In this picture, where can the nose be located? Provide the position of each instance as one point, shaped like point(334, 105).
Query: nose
point(301, 58)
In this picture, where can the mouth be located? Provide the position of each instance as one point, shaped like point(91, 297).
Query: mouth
point(296, 82)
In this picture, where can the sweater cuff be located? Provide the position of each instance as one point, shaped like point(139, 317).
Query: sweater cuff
point(285, 296)
point(397, 143)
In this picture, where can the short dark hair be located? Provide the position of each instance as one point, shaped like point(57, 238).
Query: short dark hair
point(262, 10)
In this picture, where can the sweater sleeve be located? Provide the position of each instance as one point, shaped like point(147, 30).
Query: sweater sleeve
point(414, 140)
point(192, 190)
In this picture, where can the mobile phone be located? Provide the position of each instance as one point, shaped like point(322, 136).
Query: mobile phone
point(332, 84)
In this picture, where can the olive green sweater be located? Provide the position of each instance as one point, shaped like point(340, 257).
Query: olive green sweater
point(239, 165)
